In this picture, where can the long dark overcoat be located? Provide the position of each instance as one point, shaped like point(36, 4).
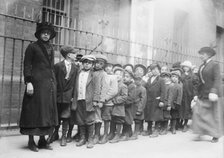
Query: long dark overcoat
point(40, 109)
point(190, 85)
point(155, 94)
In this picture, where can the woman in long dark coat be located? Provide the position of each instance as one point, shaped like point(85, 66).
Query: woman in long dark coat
point(208, 112)
point(39, 109)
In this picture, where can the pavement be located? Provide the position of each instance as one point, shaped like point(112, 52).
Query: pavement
point(180, 145)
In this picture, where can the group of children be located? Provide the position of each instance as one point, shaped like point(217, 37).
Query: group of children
point(91, 91)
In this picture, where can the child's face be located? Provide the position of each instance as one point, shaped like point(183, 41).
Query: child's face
point(119, 75)
point(71, 57)
point(139, 72)
point(127, 77)
point(109, 69)
point(129, 68)
point(164, 69)
point(174, 78)
point(155, 71)
point(87, 64)
point(138, 82)
point(45, 35)
point(167, 79)
point(186, 69)
point(99, 65)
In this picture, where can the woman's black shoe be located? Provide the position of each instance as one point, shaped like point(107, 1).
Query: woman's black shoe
point(42, 144)
point(32, 146)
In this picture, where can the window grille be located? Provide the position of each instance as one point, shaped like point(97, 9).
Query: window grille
point(58, 13)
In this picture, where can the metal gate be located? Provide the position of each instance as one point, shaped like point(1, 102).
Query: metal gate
point(13, 46)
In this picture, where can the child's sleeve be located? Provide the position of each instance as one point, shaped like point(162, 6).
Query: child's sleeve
point(170, 96)
point(179, 95)
point(122, 96)
point(143, 98)
point(163, 90)
point(103, 88)
point(131, 95)
point(112, 89)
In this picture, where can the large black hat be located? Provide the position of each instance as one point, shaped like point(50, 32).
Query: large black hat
point(45, 26)
point(208, 50)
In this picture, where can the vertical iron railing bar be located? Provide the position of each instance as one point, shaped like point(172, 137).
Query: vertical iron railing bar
point(11, 84)
point(3, 77)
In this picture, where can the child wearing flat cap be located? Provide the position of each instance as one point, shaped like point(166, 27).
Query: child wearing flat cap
point(166, 109)
point(129, 105)
point(112, 83)
point(175, 93)
point(100, 94)
point(83, 102)
point(139, 105)
point(118, 111)
point(66, 73)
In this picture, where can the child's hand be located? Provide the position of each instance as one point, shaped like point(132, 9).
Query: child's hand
point(169, 108)
point(161, 104)
point(100, 104)
point(138, 113)
point(94, 103)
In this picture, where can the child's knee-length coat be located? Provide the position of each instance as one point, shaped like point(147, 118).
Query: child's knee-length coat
point(155, 94)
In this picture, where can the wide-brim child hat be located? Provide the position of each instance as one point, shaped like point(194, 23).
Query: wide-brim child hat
point(118, 69)
point(154, 65)
point(207, 50)
point(45, 26)
point(141, 66)
point(101, 57)
point(165, 74)
point(126, 65)
point(177, 73)
point(117, 65)
point(130, 73)
point(88, 57)
point(65, 50)
point(187, 64)
point(79, 57)
point(176, 64)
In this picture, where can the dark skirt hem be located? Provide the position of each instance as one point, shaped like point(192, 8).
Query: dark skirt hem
point(42, 131)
